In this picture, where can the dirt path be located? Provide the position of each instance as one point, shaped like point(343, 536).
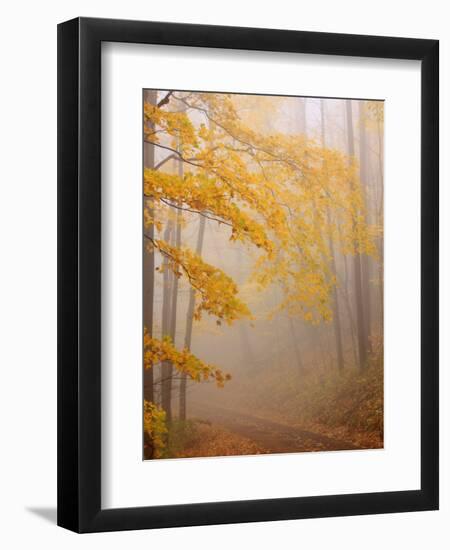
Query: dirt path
point(271, 436)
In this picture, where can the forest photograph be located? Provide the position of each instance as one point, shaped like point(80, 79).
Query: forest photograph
point(262, 274)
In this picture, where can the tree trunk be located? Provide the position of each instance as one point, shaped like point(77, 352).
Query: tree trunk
point(348, 307)
point(150, 96)
point(190, 321)
point(247, 349)
point(172, 307)
point(380, 221)
point(302, 128)
point(302, 116)
point(165, 324)
point(365, 266)
point(298, 356)
point(360, 322)
point(173, 322)
point(336, 316)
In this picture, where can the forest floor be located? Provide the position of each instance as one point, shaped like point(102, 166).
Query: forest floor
point(266, 435)
point(314, 412)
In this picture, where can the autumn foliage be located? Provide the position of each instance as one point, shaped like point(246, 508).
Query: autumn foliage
point(291, 201)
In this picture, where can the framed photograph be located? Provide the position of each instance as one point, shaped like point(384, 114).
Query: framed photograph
point(248, 275)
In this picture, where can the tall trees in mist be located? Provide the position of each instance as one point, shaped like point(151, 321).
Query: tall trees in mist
point(190, 320)
point(148, 256)
point(331, 245)
point(293, 205)
point(357, 270)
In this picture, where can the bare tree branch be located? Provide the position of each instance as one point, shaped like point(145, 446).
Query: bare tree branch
point(170, 157)
point(203, 213)
point(174, 151)
point(165, 99)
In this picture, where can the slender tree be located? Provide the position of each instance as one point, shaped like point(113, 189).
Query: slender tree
point(294, 337)
point(379, 209)
point(302, 115)
point(365, 265)
point(302, 129)
point(172, 321)
point(345, 292)
point(150, 97)
point(168, 277)
point(360, 322)
point(336, 316)
point(190, 320)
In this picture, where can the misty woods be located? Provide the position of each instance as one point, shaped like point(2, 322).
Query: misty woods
point(263, 274)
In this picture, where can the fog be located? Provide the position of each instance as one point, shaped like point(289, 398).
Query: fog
point(304, 356)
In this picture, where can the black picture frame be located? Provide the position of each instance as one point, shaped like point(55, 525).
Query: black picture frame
point(79, 274)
